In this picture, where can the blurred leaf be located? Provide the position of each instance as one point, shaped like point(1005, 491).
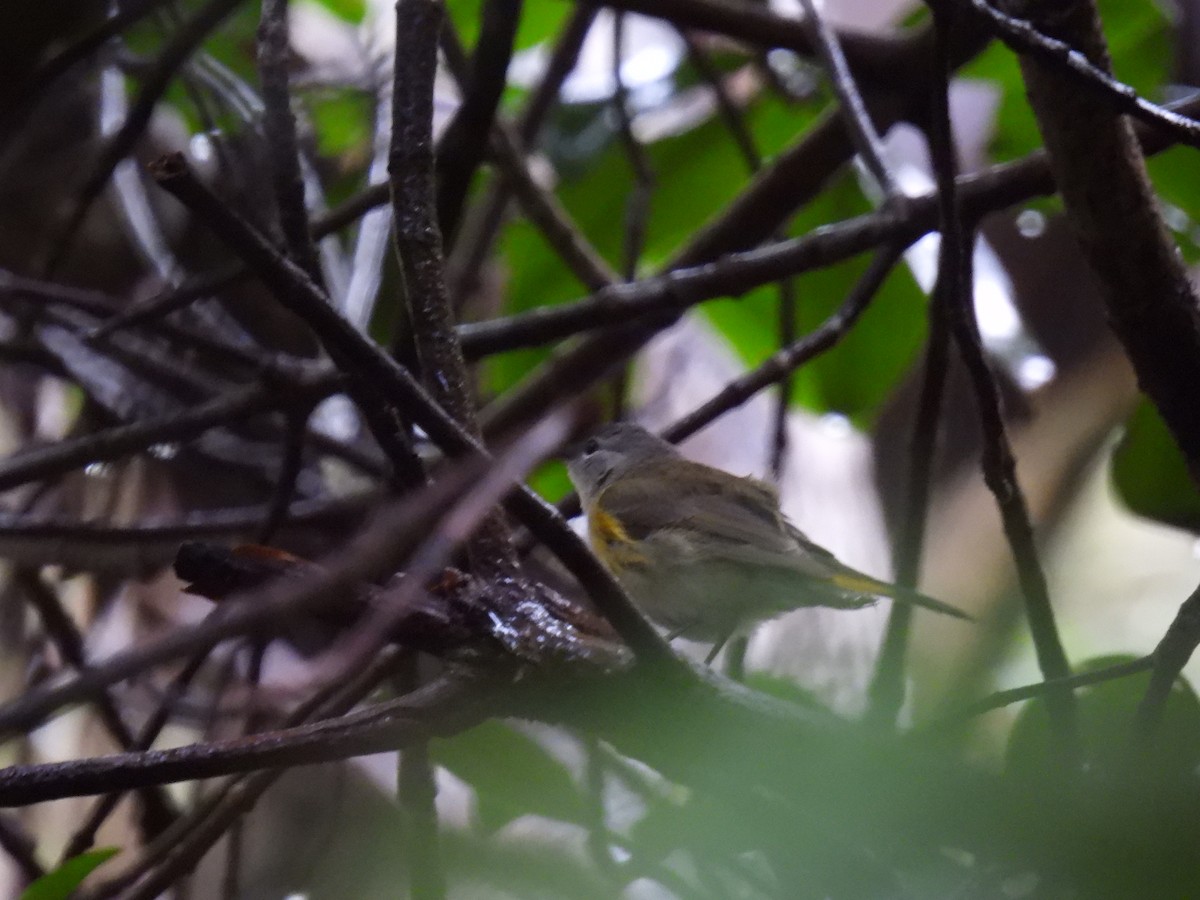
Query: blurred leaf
point(512, 775)
point(782, 688)
point(347, 10)
point(342, 121)
point(1138, 36)
point(889, 334)
point(61, 883)
point(539, 21)
point(550, 480)
point(1176, 177)
point(1150, 474)
point(1107, 713)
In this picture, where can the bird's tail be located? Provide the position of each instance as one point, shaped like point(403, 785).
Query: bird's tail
point(857, 583)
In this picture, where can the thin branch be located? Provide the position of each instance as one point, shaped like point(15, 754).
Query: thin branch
point(174, 55)
point(472, 252)
point(1169, 658)
point(548, 215)
point(785, 361)
point(1023, 37)
point(178, 852)
point(882, 60)
point(416, 225)
point(294, 434)
point(1113, 208)
point(887, 689)
point(417, 793)
point(391, 725)
point(36, 85)
point(858, 121)
point(956, 291)
point(20, 848)
point(462, 147)
point(292, 287)
point(1045, 689)
point(279, 128)
point(114, 443)
point(84, 836)
point(637, 205)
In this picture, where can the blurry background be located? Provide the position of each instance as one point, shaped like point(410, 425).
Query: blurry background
point(640, 150)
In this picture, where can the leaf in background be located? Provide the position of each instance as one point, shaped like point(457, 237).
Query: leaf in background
point(1138, 37)
point(61, 883)
point(511, 773)
point(1176, 177)
point(1107, 713)
point(889, 334)
point(346, 10)
point(1150, 474)
point(539, 21)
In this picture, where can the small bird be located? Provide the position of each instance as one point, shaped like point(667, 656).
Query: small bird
point(704, 553)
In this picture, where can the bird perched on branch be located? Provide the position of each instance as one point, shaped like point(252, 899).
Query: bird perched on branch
point(704, 553)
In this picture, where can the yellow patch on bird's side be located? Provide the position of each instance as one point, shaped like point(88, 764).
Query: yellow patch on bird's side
point(611, 542)
point(859, 584)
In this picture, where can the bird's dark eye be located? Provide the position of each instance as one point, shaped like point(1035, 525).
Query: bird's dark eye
point(591, 446)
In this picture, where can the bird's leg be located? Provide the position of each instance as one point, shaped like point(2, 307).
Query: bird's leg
point(716, 648)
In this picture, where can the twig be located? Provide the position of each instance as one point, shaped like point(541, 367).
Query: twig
point(999, 468)
point(854, 111)
point(548, 215)
point(782, 363)
point(158, 811)
point(176, 52)
point(292, 287)
point(1045, 688)
point(85, 835)
point(113, 443)
point(20, 848)
point(637, 206)
point(417, 235)
point(887, 689)
point(1150, 300)
point(882, 60)
point(417, 793)
point(445, 706)
point(1169, 658)
point(178, 852)
point(36, 84)
point(295, 431)
point(472, 252)
point(1023, 37)
point(279, 128)
point(462, 146)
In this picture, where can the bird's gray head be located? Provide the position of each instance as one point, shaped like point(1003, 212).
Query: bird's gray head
point(611, 452)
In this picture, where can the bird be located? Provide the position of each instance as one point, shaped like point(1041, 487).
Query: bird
point(704, 553)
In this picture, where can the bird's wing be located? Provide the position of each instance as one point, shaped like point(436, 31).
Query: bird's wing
point(697, 509)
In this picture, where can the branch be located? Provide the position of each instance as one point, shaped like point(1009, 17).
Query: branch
point(462, 147)
point(955, 290)
point(1023, 37)
point(279, 128)
point(1169, 658)
point(173, 56)
point(1115, 212)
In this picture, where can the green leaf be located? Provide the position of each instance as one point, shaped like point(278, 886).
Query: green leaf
point(346, 10)
point(61, 883)
point(512, 775)
point(539, 21)
point(1150, 474)
point(889, 334)
point(1107, 714)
